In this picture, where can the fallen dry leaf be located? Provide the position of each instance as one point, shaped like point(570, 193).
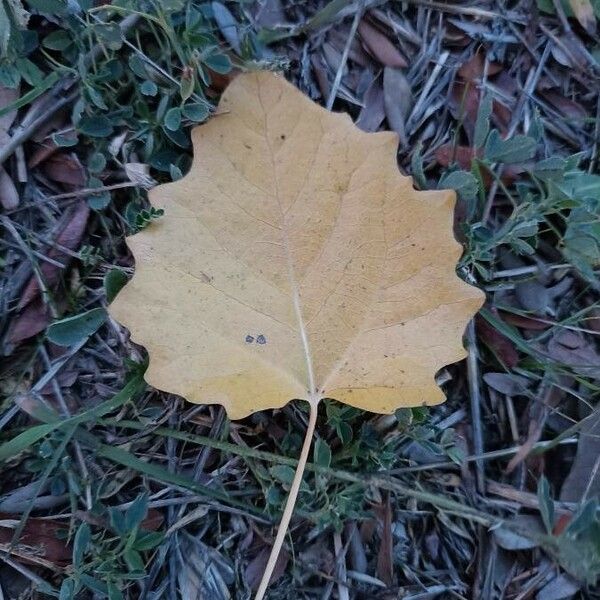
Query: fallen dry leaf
point(256, 567)
point(40, 541)
point(294, 261)
point(373, 111)
point(66, 168)
point(449, 154)
point(498, 343)
point(69, 236)
point(525, 322)
point(583, 478)
point(34, 318)
point(474, 68)
point(380, 46)
point(9, 196)
point(397, 99)
point(574, 350)
point(385, 554)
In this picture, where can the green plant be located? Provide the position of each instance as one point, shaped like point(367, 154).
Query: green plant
point(107, 561)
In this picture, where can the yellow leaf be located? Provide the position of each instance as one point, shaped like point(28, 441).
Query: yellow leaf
point(295, 261)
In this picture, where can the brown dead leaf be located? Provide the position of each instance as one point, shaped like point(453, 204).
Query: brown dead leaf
point(9, 196)
point(65, 168)
point(42, 153)
point(380, 46)
point(571, 348)
point(592, 321)
point(295, 261)
point(584, 478)
point(39, 542)
point(397, 99)
point(538, 412)
point(318, 558)
point(498, 343)
point(507, 383)
point(256, 567)
point(449, 154)
point(464, 96)
point(373, 111)
point(464, 104)
point(29, 322)
point(568, 107)
point(69, 236)
point(525, 322)
point(385, 555)
point(474, 67)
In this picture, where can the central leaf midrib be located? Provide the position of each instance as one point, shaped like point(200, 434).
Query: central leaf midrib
point(312, 388)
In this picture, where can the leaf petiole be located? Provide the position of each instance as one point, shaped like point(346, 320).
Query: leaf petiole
point(291, 499)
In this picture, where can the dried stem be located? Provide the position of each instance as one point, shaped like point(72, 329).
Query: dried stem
point(291, 500)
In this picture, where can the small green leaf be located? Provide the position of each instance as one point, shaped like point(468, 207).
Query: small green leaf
point(109, 34)
point(95, 126)
point(96, 98)
point(173, 119)
point(513, 150)
point(282, 473)
point(550, 169)
point(55, 7)
point(463, 182)
point(196, 111)
point(148, 88)
point(65, 140)
point(117, 521)
point(416, 164)
point(57, 40)
point(136, 512)
point(100, 200)
point(114, 281)
point(322, 453)
point(344, 432)
point(10, 77)
point(96, 162)
point(546, 504)
point(482, 124)
point(67, 590)
point(70, 331)
point(113, 592)
point(134, 560)
point(187, 86)
point(137, 65)
point(285, 475)
point(585, 516)
point(93, 584)
point(5, 30)
point(146, 540)
point(29, 71)
point(80, 544)
point(219, 63)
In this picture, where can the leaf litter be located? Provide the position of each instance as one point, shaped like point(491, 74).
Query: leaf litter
point(545, 93)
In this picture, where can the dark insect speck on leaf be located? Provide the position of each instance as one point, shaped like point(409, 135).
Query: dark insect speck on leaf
point(249, 339)
point(261, 339)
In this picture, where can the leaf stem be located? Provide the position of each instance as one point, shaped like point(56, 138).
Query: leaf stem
point(291, 499)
